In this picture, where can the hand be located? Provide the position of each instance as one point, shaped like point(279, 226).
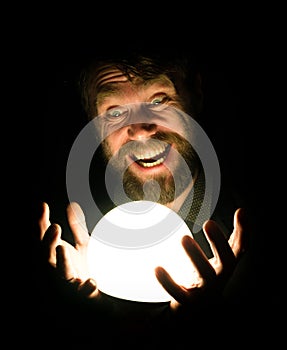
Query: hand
point(214, 273)
point(69, 261)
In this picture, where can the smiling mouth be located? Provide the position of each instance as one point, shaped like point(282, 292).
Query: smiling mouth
point(151, 157)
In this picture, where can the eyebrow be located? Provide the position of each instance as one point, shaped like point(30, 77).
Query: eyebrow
point(114, 88)
point(107, 90)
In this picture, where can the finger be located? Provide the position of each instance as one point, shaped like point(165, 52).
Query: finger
point(179, 293)
point(64, 264)
point(198, 258)
point(77, 222)
point(50, 241)
point(44, 220)
point(219, 245)
point(89, 288)
point(238, 240)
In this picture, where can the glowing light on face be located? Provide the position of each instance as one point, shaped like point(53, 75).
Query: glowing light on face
point(129, 242)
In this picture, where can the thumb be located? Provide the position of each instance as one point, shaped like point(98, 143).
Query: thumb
point(239, 238)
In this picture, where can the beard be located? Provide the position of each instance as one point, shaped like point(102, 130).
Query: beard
point(162, 188)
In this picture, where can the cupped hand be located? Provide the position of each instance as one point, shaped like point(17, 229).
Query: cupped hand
point(69, 261)
point(211, 274)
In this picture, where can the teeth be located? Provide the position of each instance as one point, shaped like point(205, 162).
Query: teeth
point(151, 157)
point(150, 153)
point(149, 165)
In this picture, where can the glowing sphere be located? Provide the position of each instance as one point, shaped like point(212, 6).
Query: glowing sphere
point(129, 242)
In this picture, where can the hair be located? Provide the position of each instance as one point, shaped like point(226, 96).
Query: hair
point(180, 68)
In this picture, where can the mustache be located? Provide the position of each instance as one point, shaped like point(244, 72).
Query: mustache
point(155, 143)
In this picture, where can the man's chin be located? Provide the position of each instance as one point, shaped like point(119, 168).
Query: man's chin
point(151, 190)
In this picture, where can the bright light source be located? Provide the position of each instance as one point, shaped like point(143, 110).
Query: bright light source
point(129, 242)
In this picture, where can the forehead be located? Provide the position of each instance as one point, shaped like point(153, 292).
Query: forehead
point(108, 74)
point(113, 83)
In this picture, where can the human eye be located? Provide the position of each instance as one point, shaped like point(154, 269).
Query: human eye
point(116, 112)
point(159, 100)
point(159, 103)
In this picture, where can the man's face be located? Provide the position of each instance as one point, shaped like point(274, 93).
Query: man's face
point(144, 138)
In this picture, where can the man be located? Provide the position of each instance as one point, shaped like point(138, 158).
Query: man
point(146, 111)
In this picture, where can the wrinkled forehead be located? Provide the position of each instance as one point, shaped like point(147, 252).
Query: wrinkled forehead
point(110, 81)
point(108, 74)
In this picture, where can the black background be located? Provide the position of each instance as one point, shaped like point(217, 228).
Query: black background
point(229, 48)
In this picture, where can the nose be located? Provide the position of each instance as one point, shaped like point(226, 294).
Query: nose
point(141, 131)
